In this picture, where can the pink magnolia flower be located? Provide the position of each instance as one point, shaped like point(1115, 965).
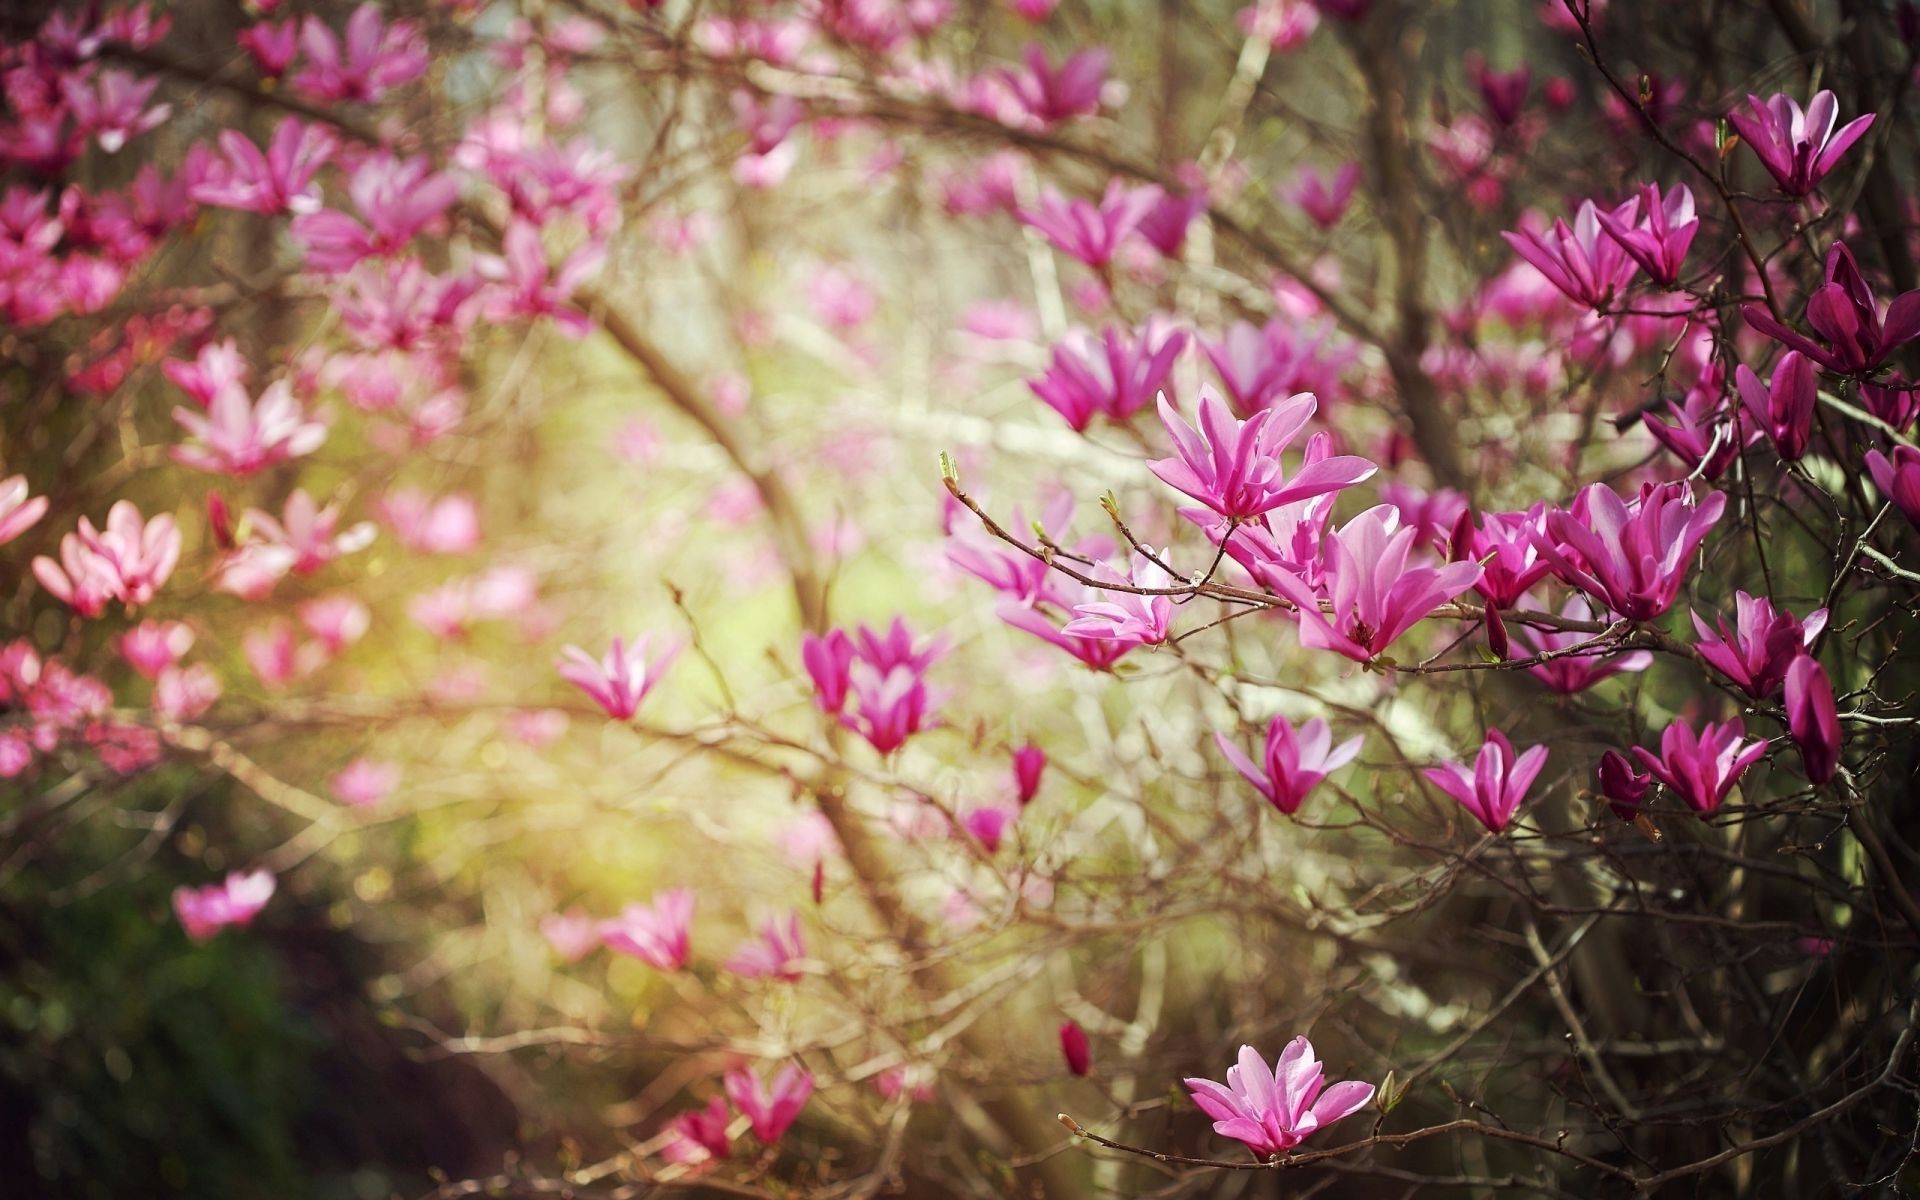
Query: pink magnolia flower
point(1698, 430)
point(1283, 24)
point(1029, 761)
point(1634, 559)
point(272, 44)
point(1233, 467)
point(1496, 786)
point(1701, 768)
point(526, 287)
point(396, 199)
point(1294, 763)
point(185, 693)
point(1797, 148)
point(18, 512)
point(884, 676)
point(1165, 225)
point(621, 679)
point(373, 58)
point(780, 952)
point(1504, 92)
point(337, 620)
point(1091, 234)
point(1756, 652)
point(1813, 719)
point(240, 437)
point(988, 824)
point(1258, 365)
point(1051, 94)
point(1784, 409)
point(1847, 316)
point(700, 1136)
point(1583, 262)
point(1572, 674)
point(205, 911)
point(1114, 377)
point(1097, 653)
point(1322, 198)
point(1129, 617)
point(1375, 595)
point(447, 525)
point(1502, 544)
point(1074, 1048)
point(127, 561)
point(1274, 1110)
point(306, 536)
point(152, 646)
point(657, 934)
point(276, 655)
point(772, 1109)
point(1623, 786)
point(216, 367)
point(111, 107)
point(364, 782)
point(278, 181)
point(1898, 479)
point(1659, 240)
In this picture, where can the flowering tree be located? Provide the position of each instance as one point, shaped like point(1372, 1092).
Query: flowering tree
point(470, 473)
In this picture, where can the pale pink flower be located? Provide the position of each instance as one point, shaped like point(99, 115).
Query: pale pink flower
point(205, 911)
point(619, 681)
point(364, 782)
point(1274, 1109)
point(657, 934)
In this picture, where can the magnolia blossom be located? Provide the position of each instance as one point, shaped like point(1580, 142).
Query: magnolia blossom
point(1113, 377)
point(1074, 1048)
point(1845, 313)
point(1701, 768)
point(621, 679)
point(1585, 263)
point(1812, 718)
point(240, 437)
point(127, 561)
point(1233, 467)
point(700, 1136)
point(18, 512)
point(1130, 617)
point(1029, 761)
point(1274, 1109)
point(1294, 763)
point(152, 646)
point(1762, 643)
point(657, 934)
point(1784, 408)
point(1051, 94)
point(779, 952)
point(1497, 784)
point(1571, 673)
point(573, 934)
point(1634, 559)
point(771, 1108)
point(1898, 479)
point(1324, 200)
point(1623, 786)
point(207, 910)
point(373, 58)
point(364, 782)
point(281, 180)
point(1797, 148)
point(1660, 238)
point(1087, 232)
point(1374, 594)
point(883, 675)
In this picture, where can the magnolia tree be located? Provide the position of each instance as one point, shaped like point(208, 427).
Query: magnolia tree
point(943, 598)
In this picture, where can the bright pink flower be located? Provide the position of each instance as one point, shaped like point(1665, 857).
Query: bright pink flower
point(17, 512)
point(621, 679)
point(111, 107)
point(988, 824)
point(1115, 377)
point(1898, 479)
point(1088, 233)
point(1165, 225)
point(1324, 199)
point(364, 782)
point(1784, 410)
point(152, 646)
point(700, 1136)
point(1128, 617)
point(771, 1109)
point(1572, 674)
point(1284, 24)
point(307, 537)
point(1233, 467)
point(780, 952)
point(1504, 92)
point(1845, 313)
point(1497, 785)
point(1274, 1110)
point(1702, 768)
point(185, 693)
point(883, 675)
point(372, 58)
point(1074, 1048)
point(1502, 544)
point(1098, 653)
point(1813, 719)
point(1029, 761)
point(1583, 262)
point(205, 911)
point(1633, 559)
point(240, 437)
point(526, 287)
point(1375, 595)
point(396, 199)
point(1259, 365)
point(217, 367)
point(1051, 94)
point(1623, 786)
point(1698, 430)
point(278, 181)
point(1756, 652)
point(1659, 240)
point(657, 934)
point(1798, 149)
point(127, 561)
point(1294, 763)
point(272, 44)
